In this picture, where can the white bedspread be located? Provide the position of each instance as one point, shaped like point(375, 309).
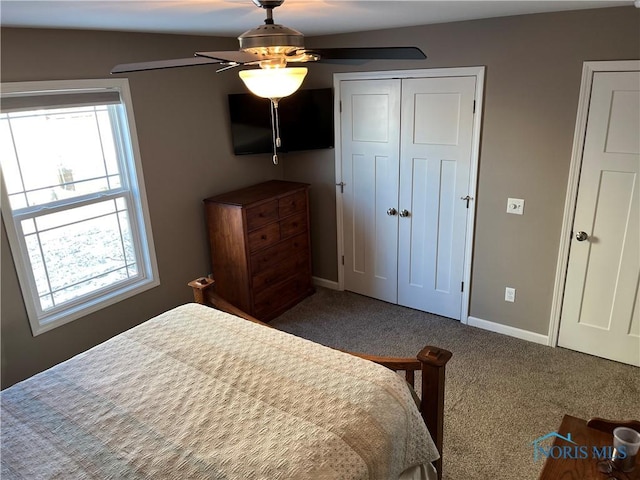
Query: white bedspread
point(197, 393)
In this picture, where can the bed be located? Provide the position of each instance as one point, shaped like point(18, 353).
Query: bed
point(198, 392)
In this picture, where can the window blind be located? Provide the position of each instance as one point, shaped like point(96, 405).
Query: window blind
point(49, 100)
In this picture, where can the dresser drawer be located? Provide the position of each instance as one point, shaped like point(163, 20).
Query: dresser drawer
point(271, 299)
point(294, 225)
point(279, 253)
point(294, 203)
point(262, 214)
point(280, 271)
point(264, 237)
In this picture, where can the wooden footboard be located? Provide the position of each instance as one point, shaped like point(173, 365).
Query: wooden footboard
point(430, 361)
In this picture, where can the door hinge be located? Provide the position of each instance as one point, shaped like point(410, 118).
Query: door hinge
point(343, 259)
point(474, 106)
point(340, 102)
point(462, 286)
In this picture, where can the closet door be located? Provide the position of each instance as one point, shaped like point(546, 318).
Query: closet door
point(370, 136)
point(436, 147)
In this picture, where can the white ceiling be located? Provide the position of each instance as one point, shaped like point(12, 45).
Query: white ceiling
point(232, 17)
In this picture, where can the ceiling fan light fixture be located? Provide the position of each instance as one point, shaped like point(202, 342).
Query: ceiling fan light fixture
point(273, 83)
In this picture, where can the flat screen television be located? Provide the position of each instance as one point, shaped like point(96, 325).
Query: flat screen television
point(306, 122)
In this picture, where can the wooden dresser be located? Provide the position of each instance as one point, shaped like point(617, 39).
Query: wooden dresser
point(260, 248)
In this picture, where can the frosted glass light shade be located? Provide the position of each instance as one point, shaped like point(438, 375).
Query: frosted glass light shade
point(273, 82)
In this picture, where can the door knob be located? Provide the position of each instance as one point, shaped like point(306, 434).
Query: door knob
point(392, 211)
point(581, 236)
point(404, 213)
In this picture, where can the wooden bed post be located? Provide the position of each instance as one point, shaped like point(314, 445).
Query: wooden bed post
point(433, 361)
point(200, 287)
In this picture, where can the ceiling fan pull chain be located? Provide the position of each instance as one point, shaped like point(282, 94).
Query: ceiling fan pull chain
point(278, 141)
point(275, 130)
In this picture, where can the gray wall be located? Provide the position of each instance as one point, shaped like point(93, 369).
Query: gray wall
point(181, 118)
point(532, 83)
point(533, 71)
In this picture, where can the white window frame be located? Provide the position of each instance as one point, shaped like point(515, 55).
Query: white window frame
point(133, 190)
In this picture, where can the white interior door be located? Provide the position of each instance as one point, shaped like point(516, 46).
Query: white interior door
point(600, 313)
point(370, 136)
point(436, 145)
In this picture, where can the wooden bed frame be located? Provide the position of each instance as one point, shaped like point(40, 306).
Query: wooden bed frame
point(430, 361)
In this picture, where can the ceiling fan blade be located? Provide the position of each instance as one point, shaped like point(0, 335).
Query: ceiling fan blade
point(236, 56)
point(160, 64)
point(328, 55)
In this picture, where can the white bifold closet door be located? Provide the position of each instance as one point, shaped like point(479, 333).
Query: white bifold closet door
point(406, 158)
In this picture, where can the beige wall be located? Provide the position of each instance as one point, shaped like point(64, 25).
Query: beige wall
point(533, 69)
point(532, 84)
point(181, 118)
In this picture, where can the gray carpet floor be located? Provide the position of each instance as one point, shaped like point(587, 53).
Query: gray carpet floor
point(501, 392)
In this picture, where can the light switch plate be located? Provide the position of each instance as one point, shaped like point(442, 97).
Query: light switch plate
point(515, 206)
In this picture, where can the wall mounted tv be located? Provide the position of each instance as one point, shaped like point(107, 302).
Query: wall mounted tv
point(306, 122)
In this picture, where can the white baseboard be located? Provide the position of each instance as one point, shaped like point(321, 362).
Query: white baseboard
point(507, 330)
point(323, 282)
point(471, 321)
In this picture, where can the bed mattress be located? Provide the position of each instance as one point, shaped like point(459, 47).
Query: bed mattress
point(198, 393)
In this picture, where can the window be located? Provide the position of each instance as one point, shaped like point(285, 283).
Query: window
point(73, 197)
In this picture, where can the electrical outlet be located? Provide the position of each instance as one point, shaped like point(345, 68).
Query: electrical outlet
point(509, 294)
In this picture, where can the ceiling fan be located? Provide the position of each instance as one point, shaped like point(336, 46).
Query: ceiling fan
point(274, 46)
